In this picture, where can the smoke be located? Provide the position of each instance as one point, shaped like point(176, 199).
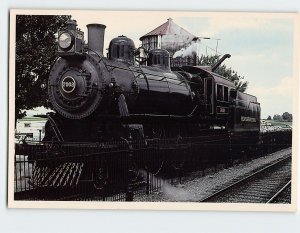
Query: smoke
point(170, 192)
point(177, 193)
point(188, 51)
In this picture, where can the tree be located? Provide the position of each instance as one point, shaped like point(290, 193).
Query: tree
point(35, 54)
point(287, 116)
point(277, 117)
point(269, 118)
point(224, 71)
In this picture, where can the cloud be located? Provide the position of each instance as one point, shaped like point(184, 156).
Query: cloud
point(217, 25)
point(284, 87)
point(275, 99)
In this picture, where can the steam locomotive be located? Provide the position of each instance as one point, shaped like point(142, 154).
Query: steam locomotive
point(127, 94)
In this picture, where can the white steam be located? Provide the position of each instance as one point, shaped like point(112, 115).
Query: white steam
point(188, 51)
point(171, 192)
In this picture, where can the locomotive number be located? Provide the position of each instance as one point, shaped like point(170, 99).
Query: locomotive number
point(68, 84)
point(222, 110)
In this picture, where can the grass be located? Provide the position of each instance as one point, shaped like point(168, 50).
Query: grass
point(33, 119)
point(281, 123)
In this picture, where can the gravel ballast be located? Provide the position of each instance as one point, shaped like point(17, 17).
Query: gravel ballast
point(195, 189)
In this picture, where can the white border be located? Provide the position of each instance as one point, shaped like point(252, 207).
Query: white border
point(150, 205)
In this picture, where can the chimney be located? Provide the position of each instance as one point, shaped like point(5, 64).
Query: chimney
point(96, 37)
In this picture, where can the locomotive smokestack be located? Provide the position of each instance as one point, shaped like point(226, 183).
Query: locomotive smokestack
point(215, 66)
point(96, 37)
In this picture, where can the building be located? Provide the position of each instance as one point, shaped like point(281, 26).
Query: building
point(168, 36)
point(30, 129)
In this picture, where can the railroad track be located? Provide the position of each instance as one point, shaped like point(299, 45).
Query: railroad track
point(270, 184)
point(283, 195)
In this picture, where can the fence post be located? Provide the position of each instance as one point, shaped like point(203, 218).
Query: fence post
point(148, 183)
point(129, 191)
point(230, 157)
point(268, 143)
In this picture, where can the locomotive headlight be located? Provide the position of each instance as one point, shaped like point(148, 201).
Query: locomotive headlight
point(65, 40)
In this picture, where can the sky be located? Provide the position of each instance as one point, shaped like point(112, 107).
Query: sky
point(261, 45)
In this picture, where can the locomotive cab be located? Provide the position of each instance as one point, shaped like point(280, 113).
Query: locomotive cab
point(216, 96)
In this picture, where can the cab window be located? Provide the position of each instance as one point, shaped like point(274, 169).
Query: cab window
point(219, 92)
point(222, 93)
point(226, 94)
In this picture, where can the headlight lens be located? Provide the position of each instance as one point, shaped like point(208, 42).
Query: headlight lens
point(65, 40)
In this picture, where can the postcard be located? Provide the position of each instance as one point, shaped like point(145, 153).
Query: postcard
point(153, 110)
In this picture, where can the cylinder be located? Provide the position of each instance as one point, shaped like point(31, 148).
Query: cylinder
point(96, 37)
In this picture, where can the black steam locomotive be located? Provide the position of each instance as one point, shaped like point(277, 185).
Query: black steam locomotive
point(125, 94)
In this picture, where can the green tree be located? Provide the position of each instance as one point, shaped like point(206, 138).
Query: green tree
point(35, 54)
point(224, 71)
point(277, 117)
point(269, 118)
point(287, 116)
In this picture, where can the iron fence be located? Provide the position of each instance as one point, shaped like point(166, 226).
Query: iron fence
point(120, 170)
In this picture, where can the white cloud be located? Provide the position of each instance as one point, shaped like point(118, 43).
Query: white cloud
point(283, 88)
point(216, 25)
point(275, 99)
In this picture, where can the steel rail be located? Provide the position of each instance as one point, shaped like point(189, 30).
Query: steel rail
point(207, 198)
point(279, 192)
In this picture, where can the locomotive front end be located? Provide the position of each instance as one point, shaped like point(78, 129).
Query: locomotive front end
point(75, 85)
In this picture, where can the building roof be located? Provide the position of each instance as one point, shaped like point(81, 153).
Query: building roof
point(168, 28)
